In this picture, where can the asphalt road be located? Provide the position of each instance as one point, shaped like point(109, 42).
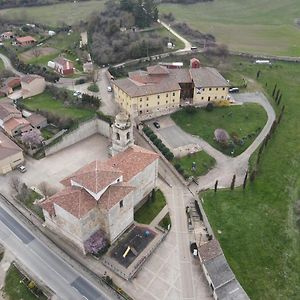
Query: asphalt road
point(66, 282)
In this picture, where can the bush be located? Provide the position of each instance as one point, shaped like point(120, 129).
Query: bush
point(209, 107)
point(190, 109)
point(93, 88)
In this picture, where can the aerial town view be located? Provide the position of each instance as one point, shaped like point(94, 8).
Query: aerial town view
point(149, 149)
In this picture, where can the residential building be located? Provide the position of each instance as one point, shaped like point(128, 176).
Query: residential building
point(32, 85)
point(25, 41)
point(8, 85)
point(102, 196)
point(218, 273)
point(11, 155)
point(8, 111)
point(63, 66)
point(7, 35)
point(162, 89)
point(37, 121)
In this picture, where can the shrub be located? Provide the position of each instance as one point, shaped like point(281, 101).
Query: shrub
point(93, 88)
point(222, 136)
point(96, 242)
point(209, 107)
point(190, 109)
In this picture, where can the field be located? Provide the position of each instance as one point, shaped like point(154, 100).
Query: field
point(203, 163)
point(45, 102)
point(256, 26)
point(245, 121)
point(1, 65)
point(258, 228)
point(68, 13)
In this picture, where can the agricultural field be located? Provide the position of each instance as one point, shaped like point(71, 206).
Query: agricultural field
point(57, 14)
point(259, 228)
point(257, 26)
point(242, 121)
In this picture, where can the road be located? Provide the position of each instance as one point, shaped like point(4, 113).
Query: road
point(8, 66)
point(187, 44)
point(55, 273)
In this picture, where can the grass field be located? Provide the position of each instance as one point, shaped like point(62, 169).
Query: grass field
point(243, 120)
point(151, 208)
point(1, 65)
point(257, 26)
point(57, 14)
point(46, 102)
point(257, 228)
point(203, 161)
point(15, 289)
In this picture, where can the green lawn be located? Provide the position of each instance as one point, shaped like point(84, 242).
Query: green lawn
point(151, 208)
point(15, 289)
point(257, 26)
point(56, 14)
point(257, 228)
point(165, 221)
point(1, 65)
point(244, 120)
point(46, 102)
point(203, 161)
point(165, 33)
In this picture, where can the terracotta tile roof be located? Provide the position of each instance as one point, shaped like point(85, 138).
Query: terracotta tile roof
point(12, 82)
point(132, 161)
point(14, 123)
point(67, 64)
point(74, 200)
point(208, 77)
point(36, 119)
point(24, 39)
point(181, 75)
point(94, 176)
point(210, 250)
point(7, 147)
point(7, 109)
point(114, 194)
point(30, 78)
point(157, 70)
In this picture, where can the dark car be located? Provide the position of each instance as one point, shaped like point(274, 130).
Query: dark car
point(156, 124)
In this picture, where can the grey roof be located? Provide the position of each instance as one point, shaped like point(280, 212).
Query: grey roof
point(219, 271)
point(231, 291)
point(7, 147)
point(181, 75)
point(208, 77)
point(136, 89)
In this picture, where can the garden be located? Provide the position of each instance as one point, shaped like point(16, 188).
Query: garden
point(240, 123)
point(194, 164)
point(150, 208)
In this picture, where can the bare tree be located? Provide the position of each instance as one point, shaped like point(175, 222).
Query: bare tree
point(15, 184)
point(46, 189)
point(36, 52)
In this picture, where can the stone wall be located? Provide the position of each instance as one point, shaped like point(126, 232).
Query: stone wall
point(84, 130)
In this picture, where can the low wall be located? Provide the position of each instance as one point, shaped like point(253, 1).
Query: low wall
point(84, 130)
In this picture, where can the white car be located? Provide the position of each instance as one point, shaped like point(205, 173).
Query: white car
point(22, 169)
point(109, 89)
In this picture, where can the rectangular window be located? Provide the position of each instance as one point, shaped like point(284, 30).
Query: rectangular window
point(223, 89)
point(157, 96)
point(166, 101)
point(217, 89)
point(210, 89)
point(173, 94)
point(167, 95)
point(121, 203)
point(141, 99)
point(147, 98)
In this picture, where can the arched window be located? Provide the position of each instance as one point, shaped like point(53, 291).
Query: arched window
point(128, 135)
point(118, 136)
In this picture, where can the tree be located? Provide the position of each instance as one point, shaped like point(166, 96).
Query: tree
point(15, 184)
point(232, 182)
point(216, 186)
point(32, 138)
point(258, 74)
point(46, 189)
point(274, 90)
point(245, 180)
point(96, 242)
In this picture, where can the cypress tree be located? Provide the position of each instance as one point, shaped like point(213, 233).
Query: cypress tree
point(274, 90)
point(245, 180)
point(232, 182)
point(216, 186)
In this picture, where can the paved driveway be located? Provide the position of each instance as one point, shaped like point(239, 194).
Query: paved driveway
point(55, 167)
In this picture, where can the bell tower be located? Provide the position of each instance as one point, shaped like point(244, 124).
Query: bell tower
point(122, 133)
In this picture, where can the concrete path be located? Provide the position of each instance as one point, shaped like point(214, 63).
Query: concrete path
point(160, 216)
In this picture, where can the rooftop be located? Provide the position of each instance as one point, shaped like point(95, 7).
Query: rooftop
point(36, 119)
point(231, 291)
point(7, 147)
point(13, 123)
point(30, 78)
point(7, 109)
point(210, 250)
point(208, 77)
point(24, 39)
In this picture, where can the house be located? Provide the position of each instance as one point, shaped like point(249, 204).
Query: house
point(102, 196)
point(218, 273)
point(15, 126)
point(9, 85)
point(161, 89)
point(11, 119)
point(25, 41)
point(63, 66)
point(37, 121)
point(32, 85)
point(11, 155)
point(7, 35)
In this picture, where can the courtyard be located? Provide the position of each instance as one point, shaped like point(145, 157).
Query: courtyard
point(55, 167)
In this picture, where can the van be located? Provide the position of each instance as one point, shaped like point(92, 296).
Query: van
point(234, 90)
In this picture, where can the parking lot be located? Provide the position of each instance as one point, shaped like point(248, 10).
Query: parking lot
point(55, 167)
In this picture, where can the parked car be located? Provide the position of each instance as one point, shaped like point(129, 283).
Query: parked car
point(109, 89)
point(234, 90)
point(156, 124)
point(22, 169)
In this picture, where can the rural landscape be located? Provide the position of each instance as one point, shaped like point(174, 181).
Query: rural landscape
point(149, 149)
